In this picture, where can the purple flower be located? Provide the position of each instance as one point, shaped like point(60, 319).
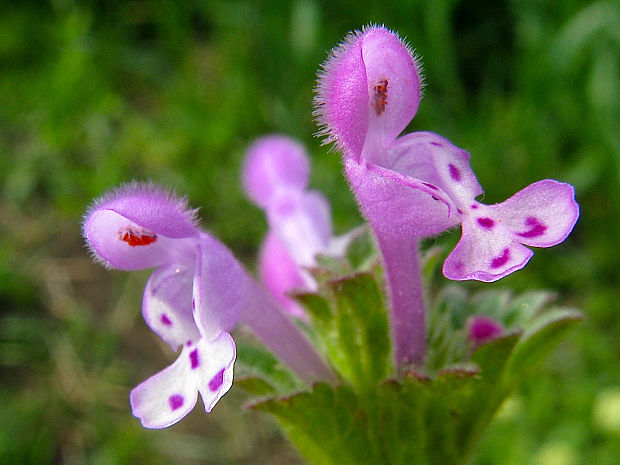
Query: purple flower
point(194, 297)
point(275, 176)
point(420, 184)
point(191, 300)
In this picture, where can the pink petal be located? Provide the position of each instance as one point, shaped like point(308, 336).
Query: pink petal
point(280, 273)
point(302, 221)
point(392, 201)
point(368, 91)
point(394, 85)
point(341, 100)
point(120, 243)
point(152, 207)
point(435, 160)
point(167, 305)
point(485, 254)
point(541, 215)
point(272, 163)
point(219, 287)
point(138, 226)
point(165, 398)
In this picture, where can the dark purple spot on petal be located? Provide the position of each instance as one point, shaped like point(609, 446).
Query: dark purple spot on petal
point(175, 401)
point(193, 358)
point(536, 228)
point(501, 260)
point(486, 222)
point(188, 343)
point(217, 381)
point(165, 320)
point(194, 304)
point(454, 172)
point(436, 144)
point(431, 186)
point(474, 207)
point(460, 212)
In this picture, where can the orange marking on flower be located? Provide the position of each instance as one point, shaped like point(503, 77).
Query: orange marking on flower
point(380, 97)
point(136, 238)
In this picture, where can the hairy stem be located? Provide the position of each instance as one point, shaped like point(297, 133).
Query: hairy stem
point(265, 318)
point(400, 257)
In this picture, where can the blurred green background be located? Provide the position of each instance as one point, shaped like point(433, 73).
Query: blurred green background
point(93, 94)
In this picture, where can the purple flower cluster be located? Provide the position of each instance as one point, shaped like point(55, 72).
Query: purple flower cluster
point(408, 187)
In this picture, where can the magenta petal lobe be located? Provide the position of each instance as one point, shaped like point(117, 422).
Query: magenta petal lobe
point(483, 329)
point(119, 243)
point(485, 254)
point(392, 201)
point(394, 84)
point(215, 376)
point(165, 398)
point(151, 207)
point(280, 273)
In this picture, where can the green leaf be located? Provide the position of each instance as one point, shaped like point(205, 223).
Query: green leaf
point(447, 339)
point(349, 322)
point(255, 386)
point(362, 251)
point(524, 307)
point(544, 335)
point(254, 361)
point(488, 392)
point(327, 425)
point(363, 329)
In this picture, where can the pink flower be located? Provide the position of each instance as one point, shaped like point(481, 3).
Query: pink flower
point(420, 184)
point(275, 176)
point(191, 300)
point(194, 297)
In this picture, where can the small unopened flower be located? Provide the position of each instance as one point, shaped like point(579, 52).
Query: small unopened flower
point(275, 176)
point(483, 329)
